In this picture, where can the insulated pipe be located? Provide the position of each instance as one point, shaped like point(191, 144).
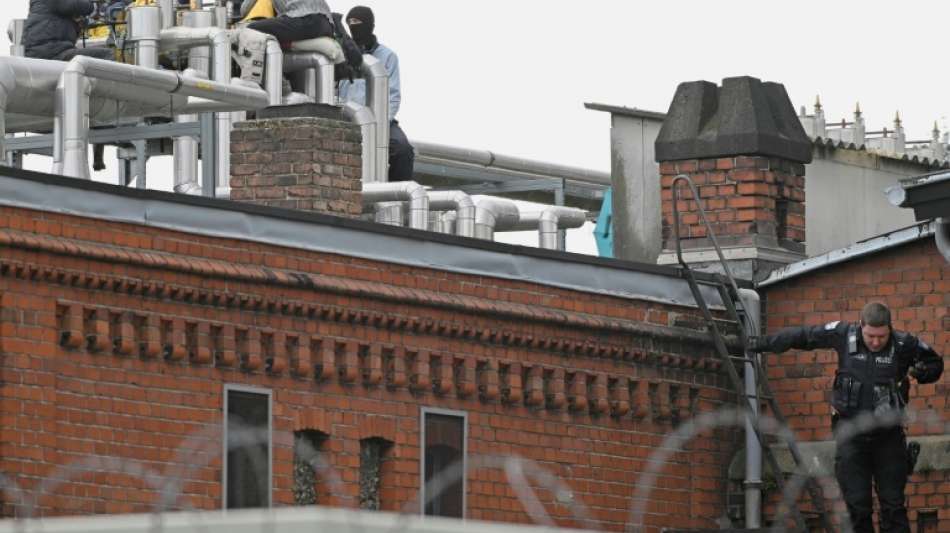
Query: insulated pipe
point(389, 213)
point(73, 92)
point(185, 152)
point(274, 71)
point(447, 223)
point(557, 217)
point(401, 191)
point(461, 204)
point(494, 214)
point(27, 86)
point(316, 72)
point(15, 34)
point(377, 98)
point(753, 457)
point(186, 148)
point(144, 26)
point(486, 158)
point(363, 117)
point(942, 237)
point(168, 13)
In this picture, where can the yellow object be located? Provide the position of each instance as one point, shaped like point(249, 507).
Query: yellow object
point(263, 9)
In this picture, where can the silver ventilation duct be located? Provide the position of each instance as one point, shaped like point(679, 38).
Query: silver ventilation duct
point(389, 213)
point(461, 204)
point(186, 148)
point(555, 218)
point(364, 118)
point(494, 214)
point(313, 73)
point(167, 8)
point(377, 98)
point(274, 71)
point(401, 191)
point(144, 25)
point(486, 158)
point(75, 87)
point(445, 222)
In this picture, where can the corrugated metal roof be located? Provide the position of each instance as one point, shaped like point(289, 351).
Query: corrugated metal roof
point(848, 253)
point(839, 145)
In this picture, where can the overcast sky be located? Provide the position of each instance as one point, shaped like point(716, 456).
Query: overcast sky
point(512, 76)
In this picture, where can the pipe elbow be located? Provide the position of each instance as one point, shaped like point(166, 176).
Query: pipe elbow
point(496, 213)
point(563, 217)
point(358, 114)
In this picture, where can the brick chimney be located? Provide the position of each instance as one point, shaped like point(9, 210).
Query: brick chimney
point(306, 157)
point(745, 150)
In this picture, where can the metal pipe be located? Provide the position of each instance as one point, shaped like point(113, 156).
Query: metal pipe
point(144, 26)
point(942, 237)
point(274, 71)
point(448, 221)
point(494, 214)
point(486, 158)
point(377, 98)
point(316, 73)
point(389, 213)
point(461, 204)
point(401, 191)
point(186, 148)
point(168, 13)
point(73, 97)
point(554, 218)
point(362, 116)
point(15, 34)
point(753, 457)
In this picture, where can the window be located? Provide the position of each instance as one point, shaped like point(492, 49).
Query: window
point(247, 453)
point(443, 463)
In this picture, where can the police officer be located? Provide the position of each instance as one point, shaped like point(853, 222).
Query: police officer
point(873, 363)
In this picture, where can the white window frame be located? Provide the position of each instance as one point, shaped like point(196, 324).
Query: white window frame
point(422, 455)
point(228, 388)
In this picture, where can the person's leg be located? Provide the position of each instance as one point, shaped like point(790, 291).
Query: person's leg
point(98, 53)
point(890, 478)
point(289, 29)
point(853, 472)
point(401, 154)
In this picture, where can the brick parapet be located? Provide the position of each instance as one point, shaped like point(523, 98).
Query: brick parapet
point(113, 330)
point(307, 163)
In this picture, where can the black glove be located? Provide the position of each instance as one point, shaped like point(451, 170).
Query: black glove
point(757, 344)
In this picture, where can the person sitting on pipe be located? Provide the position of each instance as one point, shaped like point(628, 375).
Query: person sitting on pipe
point(362, 23)
point(53, 27)
point(295, 20)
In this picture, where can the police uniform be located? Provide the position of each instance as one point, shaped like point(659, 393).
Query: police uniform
point(871, 385)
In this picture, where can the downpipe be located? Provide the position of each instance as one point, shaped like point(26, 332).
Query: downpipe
point(753, 457)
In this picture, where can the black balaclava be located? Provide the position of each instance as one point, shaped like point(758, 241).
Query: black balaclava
point(362, 33)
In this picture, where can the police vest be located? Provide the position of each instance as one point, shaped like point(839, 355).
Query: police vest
point(866, 381)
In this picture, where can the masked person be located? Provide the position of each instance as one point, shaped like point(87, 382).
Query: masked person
point(871, 384)
point(295, 20)
point(53, 27)
point(362, 23)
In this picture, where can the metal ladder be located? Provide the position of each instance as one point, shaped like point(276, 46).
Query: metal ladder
point(729, 293)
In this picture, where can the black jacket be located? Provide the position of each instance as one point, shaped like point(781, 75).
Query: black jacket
point(51, 26)
point(890, 366)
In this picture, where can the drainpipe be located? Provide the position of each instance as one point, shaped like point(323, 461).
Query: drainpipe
point(461, 204)
point(377, 98)
point(942, 236)
point(72, 120)
point(753, 457)
point(401, 191)
point(494, 214)
point(557, 217)
point(364, 118)
point(315, 73)
point(144, 26)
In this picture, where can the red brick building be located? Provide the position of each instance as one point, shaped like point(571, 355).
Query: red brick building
point(906, 271)
point(138, 326)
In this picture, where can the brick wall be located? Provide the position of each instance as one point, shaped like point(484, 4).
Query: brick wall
point(743, 197)
point(306, 163)
point(117, 341)
point(914, 280)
